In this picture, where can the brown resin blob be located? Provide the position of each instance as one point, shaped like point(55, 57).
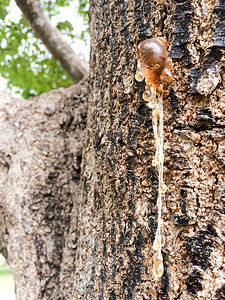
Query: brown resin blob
point(153, 62)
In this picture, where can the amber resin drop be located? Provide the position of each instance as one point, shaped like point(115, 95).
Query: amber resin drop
point(153, 60)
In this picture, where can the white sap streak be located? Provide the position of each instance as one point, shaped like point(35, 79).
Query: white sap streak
point(156, 104)
point(159, 158)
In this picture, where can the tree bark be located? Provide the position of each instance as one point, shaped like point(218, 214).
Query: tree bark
point(90, 235)
point(119, 211)
point(71, 63)
point(41, 148)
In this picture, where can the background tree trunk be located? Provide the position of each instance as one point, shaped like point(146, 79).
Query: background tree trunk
point(41, 149)
point(88, 233)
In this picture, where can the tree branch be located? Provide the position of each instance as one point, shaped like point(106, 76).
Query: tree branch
point(72, 64)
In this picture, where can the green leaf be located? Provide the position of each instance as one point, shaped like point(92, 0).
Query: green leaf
point(4, 8)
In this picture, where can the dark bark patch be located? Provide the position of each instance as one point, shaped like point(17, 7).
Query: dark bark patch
point(208, 62)
point(141, 13)
point(102, 281)
point(113, 239)
point(220, 293)
point(76, 167)
point(178, 52)
point(193, 283)
point(173, 100)
point(91, 287)
point(183, 16)
point(152, 228)
point(143, 112)
point(212, 57)
point(125, 29)
point(123, 98)
point(211, 230)
point(125, 234)
point(121, 261)
point(112, 295)
point(114, 50)
point(181, 35)
point(203, 119)
point(199, 249)
point(53, 174)
point(124, 113)
point(181, 220)
point(114, 271)
point(195, 75)
point(163, 292)
point(153, 176)
point(183, 193)
point(219, 15)
point(147, 7)
point(133, 274)
point(131, 137)
point(130, 163)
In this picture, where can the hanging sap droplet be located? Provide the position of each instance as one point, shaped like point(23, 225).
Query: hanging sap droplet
point(149, 95)
point(152, 104)
point(157, 243)
point(156, 111)
point(139, 75)
point(163, 188)
point(166, 76)
point(158, 268)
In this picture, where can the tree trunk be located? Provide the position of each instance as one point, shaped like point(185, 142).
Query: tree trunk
point(85, 231)
point(41, 149)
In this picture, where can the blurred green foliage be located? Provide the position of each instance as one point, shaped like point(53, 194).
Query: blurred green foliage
point(83, 11)
point(24, 61)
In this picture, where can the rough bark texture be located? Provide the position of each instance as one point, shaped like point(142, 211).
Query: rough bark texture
point(40, 156)
point(72, 64)
point(90, 235)
point(119, 211)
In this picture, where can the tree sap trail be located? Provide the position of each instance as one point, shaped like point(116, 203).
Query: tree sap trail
point(157, 246)
point(154, 65)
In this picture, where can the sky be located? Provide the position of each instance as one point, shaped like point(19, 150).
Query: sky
point(66, 13)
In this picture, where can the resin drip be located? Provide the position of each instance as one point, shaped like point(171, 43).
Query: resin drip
point(155, 66)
